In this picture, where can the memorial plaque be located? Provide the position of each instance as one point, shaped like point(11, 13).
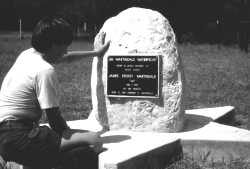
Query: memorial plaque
point(133, 76)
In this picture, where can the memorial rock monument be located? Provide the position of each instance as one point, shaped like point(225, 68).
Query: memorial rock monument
point(139, 83)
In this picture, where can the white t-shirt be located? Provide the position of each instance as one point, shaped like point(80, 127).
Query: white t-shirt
point(30, 86)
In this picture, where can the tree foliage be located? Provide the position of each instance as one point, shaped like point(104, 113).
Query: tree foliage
point(192, 16)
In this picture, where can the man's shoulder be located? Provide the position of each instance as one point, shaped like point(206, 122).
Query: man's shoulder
point(35, 61)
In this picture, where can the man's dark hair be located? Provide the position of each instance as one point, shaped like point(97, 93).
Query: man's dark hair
point(51, 30)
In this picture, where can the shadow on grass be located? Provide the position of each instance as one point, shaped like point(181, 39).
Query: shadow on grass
point(193, 122)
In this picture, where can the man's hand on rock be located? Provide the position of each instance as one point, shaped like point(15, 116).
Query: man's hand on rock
point(101, 51)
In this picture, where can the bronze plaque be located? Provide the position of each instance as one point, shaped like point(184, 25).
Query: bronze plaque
point(133, 76)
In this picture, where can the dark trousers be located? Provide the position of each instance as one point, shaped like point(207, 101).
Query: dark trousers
point(39, 147)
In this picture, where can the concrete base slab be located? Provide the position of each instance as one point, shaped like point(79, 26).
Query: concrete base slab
point(198, 118)
point(214, 142)
point(195, 117)
point(134, 150)
point(202, 139)
point(214, 113)
point(138, 150)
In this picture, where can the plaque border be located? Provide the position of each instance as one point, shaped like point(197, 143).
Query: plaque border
point(130, 55)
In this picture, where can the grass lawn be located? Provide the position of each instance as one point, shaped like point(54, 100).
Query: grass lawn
point(215, 76)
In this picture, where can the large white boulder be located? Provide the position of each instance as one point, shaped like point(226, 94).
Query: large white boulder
point(139, 31)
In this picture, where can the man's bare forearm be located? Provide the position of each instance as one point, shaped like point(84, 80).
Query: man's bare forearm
point(76, 54)
point(56, 121)
point(81, 54)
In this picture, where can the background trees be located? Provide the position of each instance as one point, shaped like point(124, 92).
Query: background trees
point(193, 20)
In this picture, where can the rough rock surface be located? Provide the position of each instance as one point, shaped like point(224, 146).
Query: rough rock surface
point(141, 31)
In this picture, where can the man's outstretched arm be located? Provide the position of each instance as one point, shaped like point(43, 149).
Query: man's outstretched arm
point(79, 54)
